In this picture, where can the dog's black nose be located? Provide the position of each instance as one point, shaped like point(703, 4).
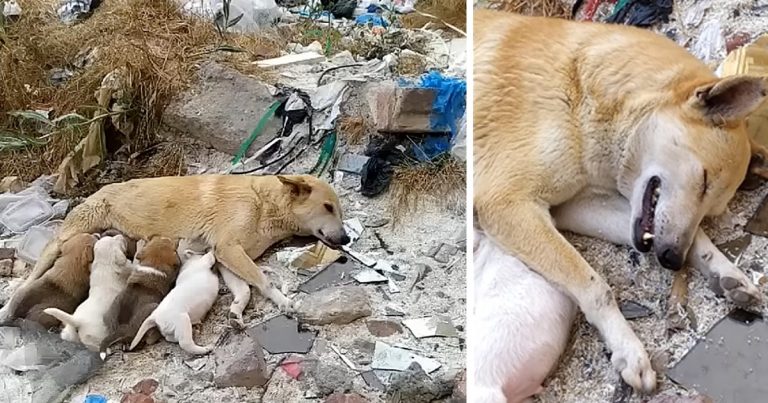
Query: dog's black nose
point(670, 259)
point(344, 239)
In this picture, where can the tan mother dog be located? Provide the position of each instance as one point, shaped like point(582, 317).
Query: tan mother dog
point(612, 132)
point(240, 216)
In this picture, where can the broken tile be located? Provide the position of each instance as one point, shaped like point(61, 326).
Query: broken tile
point(399, 359)
point(292, 366)
point(391, 310)
point(633, 310)
point(339, 305)
point(734, 248)
point(758, 224)
point(336, 273)
point(365, 260)
point(383, 328)
point(352, 163)
point(369, 276)
point(729, 363)
point(392, 287)
point(435, 326)
point(373, 381)
point(354, 228)
point(282, 335)
point(376, 222)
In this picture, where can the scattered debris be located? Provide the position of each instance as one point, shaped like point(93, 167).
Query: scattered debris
point(240, 362)
point(12, 184)
point(741, 334)
point(11, 9)
point(710, 43)
point(299, 58)
point(668, 398)
point(339, 305)
point(345, 398)
point(399, 359)
point(282, 335)
point(633, 310)
point(758, 224)
point(317, 256)
point(369, 276)
point(332, 378)
point(679, 314)
point(373, 381)
point(435, 326)
point(19, 216)
point(352, 163)
point(292, 366)
point(33, 243)
point(733, 249)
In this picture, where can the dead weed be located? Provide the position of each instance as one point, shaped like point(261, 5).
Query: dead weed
point(443, 182)
point(546, 8)
point(453, 12)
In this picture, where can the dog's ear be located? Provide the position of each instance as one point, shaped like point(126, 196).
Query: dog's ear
point(730, 99)
point(296, 185)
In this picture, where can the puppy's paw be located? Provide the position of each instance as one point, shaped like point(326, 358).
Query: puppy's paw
point(632, 361)
point(287, 305)
point(236, 321)
point(738, 289)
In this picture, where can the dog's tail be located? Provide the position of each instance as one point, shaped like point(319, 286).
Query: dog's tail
point(186, 342)
point(148, 323)
point(63, 317)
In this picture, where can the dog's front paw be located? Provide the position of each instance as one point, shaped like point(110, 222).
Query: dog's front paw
point(738, 289)
point(287, 305)
point(236, 321)
point(632, 361)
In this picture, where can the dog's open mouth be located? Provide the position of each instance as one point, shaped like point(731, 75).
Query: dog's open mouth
point(644, 226)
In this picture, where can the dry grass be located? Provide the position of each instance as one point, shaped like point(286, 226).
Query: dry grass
point(158, 46)
point(443, 183)
point(546, 8)
point(353, 129)
point(410, 65)
point(453, 12)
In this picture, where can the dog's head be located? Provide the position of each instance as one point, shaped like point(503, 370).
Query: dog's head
point(160, 253)
point(695, 154)
point(316, 208)
point(111, 250)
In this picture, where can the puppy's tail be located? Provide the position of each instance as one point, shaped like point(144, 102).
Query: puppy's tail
point(148, 323)
point(62, 316)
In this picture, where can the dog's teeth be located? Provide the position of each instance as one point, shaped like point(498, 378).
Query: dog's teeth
point(657, 192)
point(647, 236)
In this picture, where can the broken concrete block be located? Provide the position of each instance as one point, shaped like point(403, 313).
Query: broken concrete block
point(415, 386)
point(7, 253)
point(445, 253)
point(403, 110)
point(222, 110)
point(339, 305)
point(383, 328)
point(332, 378)
point(240, 363)
point(6, 267)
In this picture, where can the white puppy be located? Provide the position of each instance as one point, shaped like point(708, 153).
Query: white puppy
point(197, 287)
point(519, 327)
point(109, 275)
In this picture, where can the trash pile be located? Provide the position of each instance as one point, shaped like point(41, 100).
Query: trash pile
point(355, 99)
point(703, 349)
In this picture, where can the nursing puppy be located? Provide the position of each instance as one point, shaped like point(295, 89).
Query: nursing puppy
point(521, 343)
point(152, 277)
point(239, 216)
point(109, 273)
point(187, 304)
point(608, 131)
point(64, 287)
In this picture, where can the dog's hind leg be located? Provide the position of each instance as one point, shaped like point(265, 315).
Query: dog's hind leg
point(186, 342)
point(526, 230)
point(234, 258)
point(241, 293)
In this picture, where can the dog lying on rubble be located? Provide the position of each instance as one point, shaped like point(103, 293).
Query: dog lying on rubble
point(239, 216)
point(612, 132)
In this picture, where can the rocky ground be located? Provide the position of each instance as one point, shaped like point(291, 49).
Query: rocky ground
point(338, 328)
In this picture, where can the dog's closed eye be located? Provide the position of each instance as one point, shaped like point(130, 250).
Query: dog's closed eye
point(704, 186)
point(329, 207)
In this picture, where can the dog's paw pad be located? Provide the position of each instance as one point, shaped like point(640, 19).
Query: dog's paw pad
point(740, 290)
point(635, 368)
point(236, 321)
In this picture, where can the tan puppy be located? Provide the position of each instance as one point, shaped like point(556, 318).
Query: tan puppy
point(151, 278)
point(239, 216)
point(64, 287)
point(627, 136)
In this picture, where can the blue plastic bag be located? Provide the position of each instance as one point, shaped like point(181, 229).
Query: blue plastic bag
point(371, 18)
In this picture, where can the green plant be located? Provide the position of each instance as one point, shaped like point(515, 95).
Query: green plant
point(24, 137)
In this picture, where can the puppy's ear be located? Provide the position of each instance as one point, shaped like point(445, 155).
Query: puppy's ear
point(296, 185)
point(730, 99)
